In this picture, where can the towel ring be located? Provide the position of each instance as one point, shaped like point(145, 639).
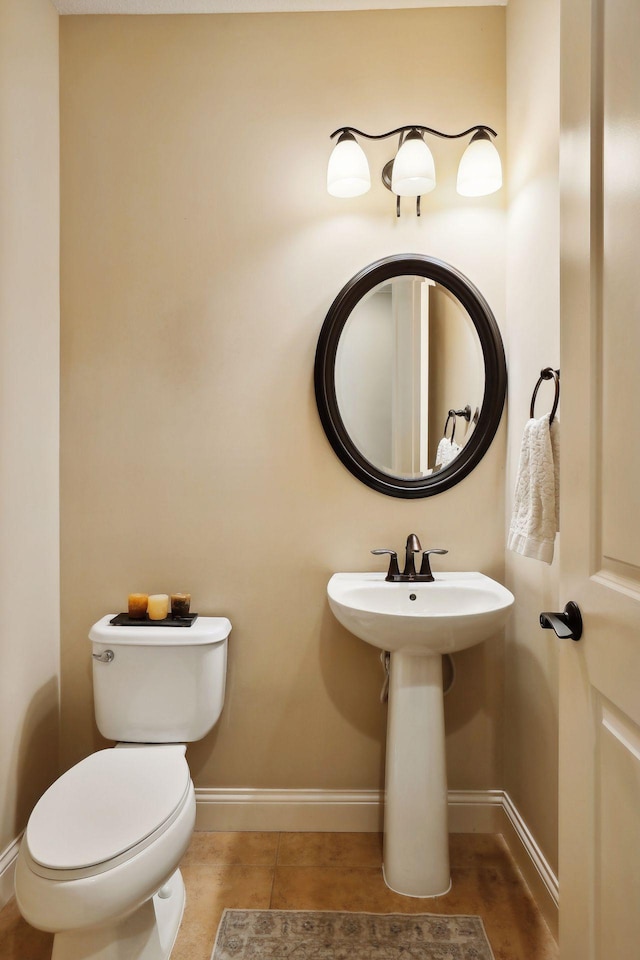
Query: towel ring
point(547, 374)
point(465, 413)
point(450, 416)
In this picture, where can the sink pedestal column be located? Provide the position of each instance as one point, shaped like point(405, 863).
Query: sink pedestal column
point(416, 838)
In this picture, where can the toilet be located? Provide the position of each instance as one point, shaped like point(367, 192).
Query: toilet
point(98, 863)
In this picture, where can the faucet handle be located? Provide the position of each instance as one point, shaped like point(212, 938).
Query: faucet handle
point(425, 568)
point(393, 571)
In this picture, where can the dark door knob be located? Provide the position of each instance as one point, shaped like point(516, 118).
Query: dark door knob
point(567, 625)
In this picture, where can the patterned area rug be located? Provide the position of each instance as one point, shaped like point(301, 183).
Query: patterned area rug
point(320, 935)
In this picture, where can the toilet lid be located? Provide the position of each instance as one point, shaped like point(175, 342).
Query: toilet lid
point(107, 804)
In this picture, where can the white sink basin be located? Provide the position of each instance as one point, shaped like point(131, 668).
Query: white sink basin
point(455, 611)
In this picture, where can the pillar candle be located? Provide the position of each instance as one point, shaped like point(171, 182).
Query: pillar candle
point(180, 603)
point(158, 606)
point(138, 605)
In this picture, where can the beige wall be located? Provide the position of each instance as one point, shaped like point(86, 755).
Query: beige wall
point(29, 325)
point(200, 253)
point(533, 342)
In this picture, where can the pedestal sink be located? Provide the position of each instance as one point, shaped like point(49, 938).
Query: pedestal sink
point(417, 623)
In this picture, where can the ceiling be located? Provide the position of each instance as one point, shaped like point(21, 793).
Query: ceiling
point(252, 6)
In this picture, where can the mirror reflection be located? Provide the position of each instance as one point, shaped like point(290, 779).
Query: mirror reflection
point(409, 376)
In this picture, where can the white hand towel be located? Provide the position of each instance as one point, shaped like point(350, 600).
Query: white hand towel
point(534, 522)
point(446, 452)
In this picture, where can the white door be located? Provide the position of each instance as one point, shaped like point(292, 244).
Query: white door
point(600, 479)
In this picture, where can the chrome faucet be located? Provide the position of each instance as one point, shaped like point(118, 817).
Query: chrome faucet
point(409, 574)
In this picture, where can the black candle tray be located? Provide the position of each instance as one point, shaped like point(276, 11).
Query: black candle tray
point(124, 620)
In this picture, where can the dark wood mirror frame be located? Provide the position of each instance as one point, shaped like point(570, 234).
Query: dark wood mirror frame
point(495, 375)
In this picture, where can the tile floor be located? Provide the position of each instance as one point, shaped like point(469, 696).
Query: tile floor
point(328, 871)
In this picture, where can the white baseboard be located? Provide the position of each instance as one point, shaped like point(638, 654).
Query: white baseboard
point(361, 811)
point(7, 870)
point(535, 868)
point(340, 811)
point(475, 811)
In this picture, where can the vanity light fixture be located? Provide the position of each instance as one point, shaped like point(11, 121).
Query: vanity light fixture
point(480, 170)
point(412, 171)
point(348, 172)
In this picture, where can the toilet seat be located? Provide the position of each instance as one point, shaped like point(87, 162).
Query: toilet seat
point(106, 809)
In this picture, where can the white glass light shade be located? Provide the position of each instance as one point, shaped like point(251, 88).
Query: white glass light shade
point(480, 170)
point(414, 171)
point(348, 171)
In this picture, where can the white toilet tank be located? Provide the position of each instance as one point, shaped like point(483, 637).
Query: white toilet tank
point(159, 684)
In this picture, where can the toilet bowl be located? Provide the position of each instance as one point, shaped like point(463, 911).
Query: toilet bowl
point(105, 837)
point(98, 864)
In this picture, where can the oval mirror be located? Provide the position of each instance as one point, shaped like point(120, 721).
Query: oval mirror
point(410, 376)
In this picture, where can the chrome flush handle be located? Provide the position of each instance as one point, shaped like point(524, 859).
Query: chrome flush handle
point(105, 657)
